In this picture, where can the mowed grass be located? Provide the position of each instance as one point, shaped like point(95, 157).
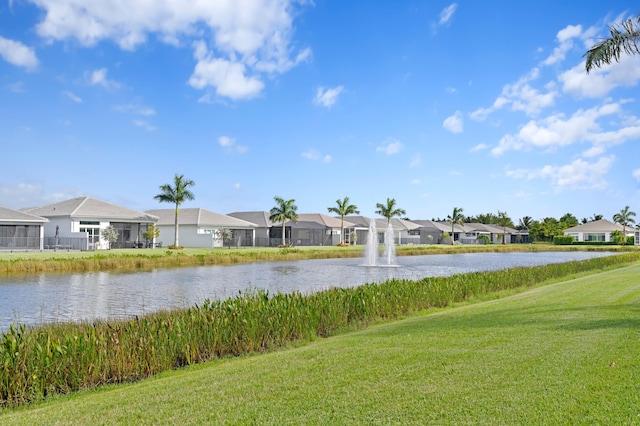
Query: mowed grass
point(565, 353)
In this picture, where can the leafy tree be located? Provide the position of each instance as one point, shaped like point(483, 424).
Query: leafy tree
point(456, 217)
point(152, 232)
point(624, 218)
point(224, 234)
point(342, 209)
point(176, 194)
point(595, 217)
point(617, 237)
point(568, 221)
point(389, 209)
point(110, 234)
point(622, 37)
point(283, 211)
point(484, 218)
point(545, 230)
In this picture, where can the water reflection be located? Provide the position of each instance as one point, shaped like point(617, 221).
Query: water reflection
point(48, 297)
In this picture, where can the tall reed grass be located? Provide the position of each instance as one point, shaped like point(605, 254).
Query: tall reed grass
point(148, 259)
point(41, 361)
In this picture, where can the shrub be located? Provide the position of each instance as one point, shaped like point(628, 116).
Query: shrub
point(563, 240)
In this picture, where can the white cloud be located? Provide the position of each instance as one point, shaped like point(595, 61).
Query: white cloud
point(327, 97)
point(393, 147)
point(73, 97)
point(557, 131)
point(521, 96)
point(315, 155)
point(144, 124)
point(226, 141)
point(446, 14)
point(18, 54)
point(454, 123)
point(136, 109)
point(636, 174)
point(600, 81)
point(227, 77)
point(99, 78)
point(21, 195)
point(245, 39)
point(17, 87)
point(230, 144)
point(579, 174)
point(416, 160)
point(237, 186)
point(479, 147)
point(565, 39)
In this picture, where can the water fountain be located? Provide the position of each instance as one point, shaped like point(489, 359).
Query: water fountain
point(371, 249)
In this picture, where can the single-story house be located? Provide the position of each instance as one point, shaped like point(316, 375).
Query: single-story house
point(431, 232)
point(263, 225)
point(311, 229)
point(314, 229)
point(21, 231)
point(497, 234)
point(597, 230)
point(77, 224)
point(405, 231)
point(199, 227)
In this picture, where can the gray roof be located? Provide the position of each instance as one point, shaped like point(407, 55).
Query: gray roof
point(319, 220)
point(199, 217)
point(381, 223)
point(602, 225)
point(261, 219)
point(90, 208)
point(15, 216)
point(430, 224)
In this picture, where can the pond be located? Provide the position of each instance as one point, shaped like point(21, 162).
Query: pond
point(49, 297)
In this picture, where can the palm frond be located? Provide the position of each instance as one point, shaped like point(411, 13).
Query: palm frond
point(623, 38)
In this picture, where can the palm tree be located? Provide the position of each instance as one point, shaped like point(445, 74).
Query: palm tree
point(343, 209)
point(176, 194)
point(283, 211)
point(624, 36)
point(525, 222)
point(624, 218)
point(389, 209)
point(503, 220)
point(455, 218)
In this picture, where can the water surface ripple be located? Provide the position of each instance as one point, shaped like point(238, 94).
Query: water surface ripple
point(49, 297)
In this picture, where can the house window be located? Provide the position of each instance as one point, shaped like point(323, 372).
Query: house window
point(594, 237)
point(89, 222)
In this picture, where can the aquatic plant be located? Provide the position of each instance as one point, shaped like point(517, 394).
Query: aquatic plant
point(59, 358)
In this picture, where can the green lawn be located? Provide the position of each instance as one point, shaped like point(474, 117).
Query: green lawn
point(564, 353)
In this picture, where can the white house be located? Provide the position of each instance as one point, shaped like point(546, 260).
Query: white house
point(199, 228)
point(77, 224)
point(21, 231)
point(598, 230)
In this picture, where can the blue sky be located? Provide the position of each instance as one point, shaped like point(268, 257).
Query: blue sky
point(479, 105)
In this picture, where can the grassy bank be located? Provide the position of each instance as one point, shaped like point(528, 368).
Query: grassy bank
point(39, 362)
point(560, 354)
point(136, 259)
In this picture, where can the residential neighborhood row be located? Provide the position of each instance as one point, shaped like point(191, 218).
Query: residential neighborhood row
point(78, 224)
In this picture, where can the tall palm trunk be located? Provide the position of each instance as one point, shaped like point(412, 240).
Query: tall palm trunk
point(176, 243)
